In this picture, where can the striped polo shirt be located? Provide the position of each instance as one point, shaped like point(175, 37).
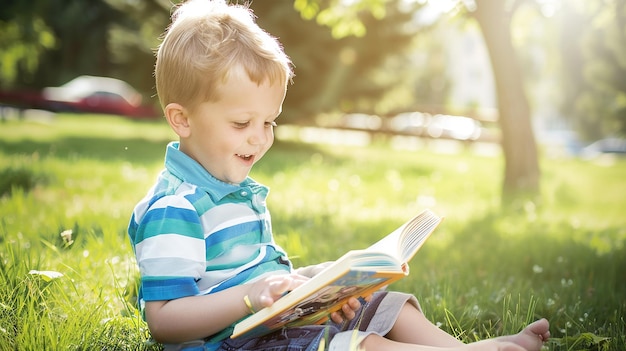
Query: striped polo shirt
point(193, 234)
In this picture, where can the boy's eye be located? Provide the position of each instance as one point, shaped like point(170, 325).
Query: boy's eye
point(242, 125)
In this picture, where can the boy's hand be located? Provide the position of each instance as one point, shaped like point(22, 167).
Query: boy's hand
point(264, 292)
point(347, 312)
point(311, 271)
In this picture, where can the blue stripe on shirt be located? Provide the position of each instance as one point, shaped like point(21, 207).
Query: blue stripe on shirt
point(167, 288)
point(230, 233)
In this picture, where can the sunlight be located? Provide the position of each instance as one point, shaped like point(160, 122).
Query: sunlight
point(549, 7)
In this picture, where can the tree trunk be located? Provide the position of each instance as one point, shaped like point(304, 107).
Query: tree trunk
point(521, 173)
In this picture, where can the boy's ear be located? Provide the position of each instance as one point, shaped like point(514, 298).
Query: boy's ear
point(178, 119)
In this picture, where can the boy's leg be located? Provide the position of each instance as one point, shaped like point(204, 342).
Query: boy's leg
point(413, 327)
point(375, 342)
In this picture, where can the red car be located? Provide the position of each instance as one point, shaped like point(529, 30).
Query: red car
point(87, 94)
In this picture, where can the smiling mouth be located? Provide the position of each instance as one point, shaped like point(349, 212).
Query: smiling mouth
point(247, 157)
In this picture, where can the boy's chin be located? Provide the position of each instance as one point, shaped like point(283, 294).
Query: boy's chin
point(237, 180)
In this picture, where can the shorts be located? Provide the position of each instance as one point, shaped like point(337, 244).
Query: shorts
point(375, 317)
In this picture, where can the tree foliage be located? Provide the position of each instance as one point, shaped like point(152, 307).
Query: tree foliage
point(25, 38)
point(335, 73)
point(594, 72)
point(52, 37)
point(49, 42)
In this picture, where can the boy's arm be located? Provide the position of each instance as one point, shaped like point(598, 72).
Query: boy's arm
point(196, 317)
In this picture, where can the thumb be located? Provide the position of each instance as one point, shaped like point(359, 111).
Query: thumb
point(275, 290)
point(279, 288)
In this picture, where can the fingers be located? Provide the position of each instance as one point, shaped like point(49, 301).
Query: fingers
point(354, 304)
point(275, 287)
point(336, 317)
point(347, 312)
point(286, 283)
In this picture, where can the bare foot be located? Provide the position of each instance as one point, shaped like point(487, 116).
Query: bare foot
point(491, 345)
point(532, 337)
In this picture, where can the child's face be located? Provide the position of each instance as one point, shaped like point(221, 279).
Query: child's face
point(227, 137)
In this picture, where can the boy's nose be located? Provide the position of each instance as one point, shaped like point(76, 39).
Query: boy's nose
point(259, 136)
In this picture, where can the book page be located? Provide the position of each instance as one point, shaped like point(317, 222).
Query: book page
point(390, 243)
point(404, 242)
point(416, 232)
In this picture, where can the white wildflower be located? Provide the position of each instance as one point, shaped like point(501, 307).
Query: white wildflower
point(66, 235)
point(46, 275)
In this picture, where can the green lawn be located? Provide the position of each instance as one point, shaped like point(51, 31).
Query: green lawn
point(68, 185)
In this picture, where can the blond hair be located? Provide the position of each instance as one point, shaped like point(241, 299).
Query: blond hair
point(205, 41)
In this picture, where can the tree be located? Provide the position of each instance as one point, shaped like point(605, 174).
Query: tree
point(521, 170)
point(521, 174)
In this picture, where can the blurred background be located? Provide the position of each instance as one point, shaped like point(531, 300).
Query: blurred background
point(520, 73)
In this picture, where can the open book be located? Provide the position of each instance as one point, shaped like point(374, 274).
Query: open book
point(357, 273)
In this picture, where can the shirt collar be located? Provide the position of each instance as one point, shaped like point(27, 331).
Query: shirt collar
point(188, 170)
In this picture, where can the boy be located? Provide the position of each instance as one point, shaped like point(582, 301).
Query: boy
point(202, 236)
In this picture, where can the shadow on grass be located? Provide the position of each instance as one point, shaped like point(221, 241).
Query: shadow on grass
point(13, 178)
point(143, 151)
point(136, 150)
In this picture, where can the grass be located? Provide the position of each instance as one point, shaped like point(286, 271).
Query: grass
point(67, 187)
